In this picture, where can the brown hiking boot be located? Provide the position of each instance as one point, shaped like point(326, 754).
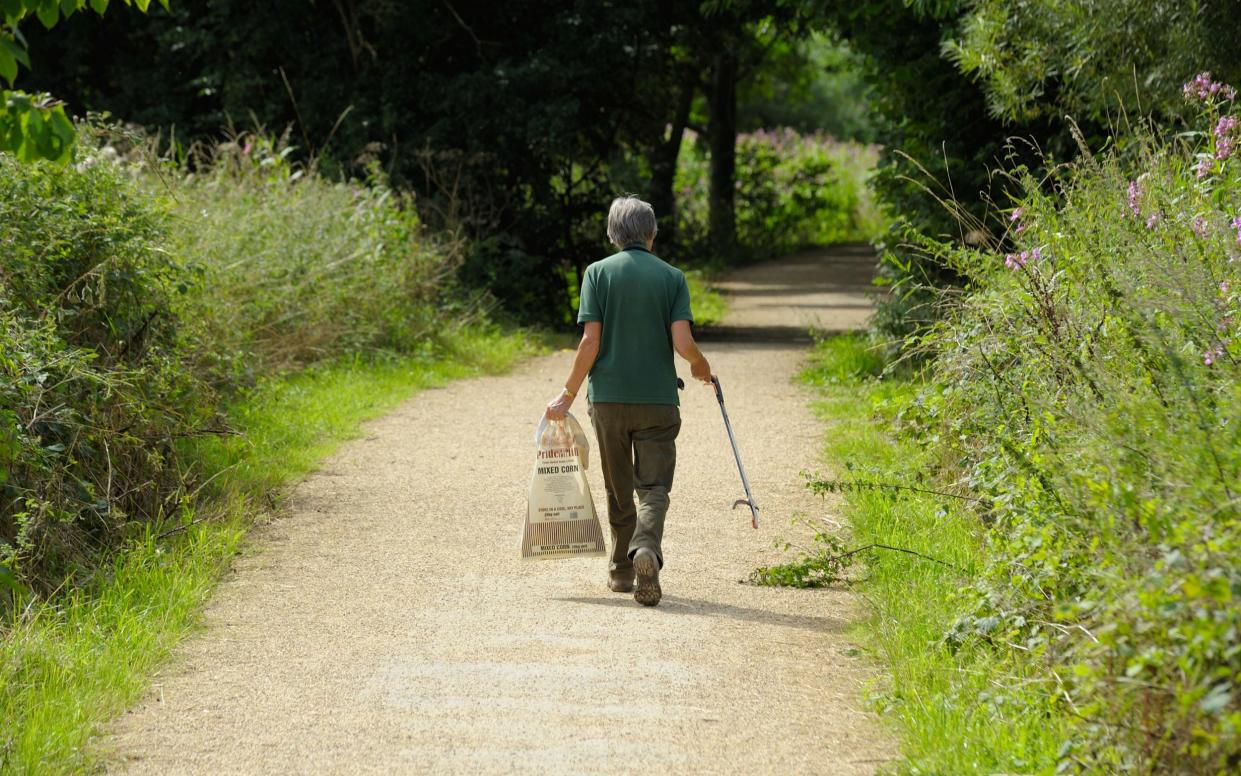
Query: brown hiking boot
point(646, 567)
point(620, 581)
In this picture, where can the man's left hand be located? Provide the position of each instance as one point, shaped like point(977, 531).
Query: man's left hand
point(559, 406)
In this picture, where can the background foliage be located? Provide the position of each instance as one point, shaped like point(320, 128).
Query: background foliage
point(793, 191)
point(514, 124)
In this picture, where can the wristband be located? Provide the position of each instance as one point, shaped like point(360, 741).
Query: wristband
point(572, 395)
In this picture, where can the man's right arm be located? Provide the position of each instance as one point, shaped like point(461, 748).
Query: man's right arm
point(683, 342)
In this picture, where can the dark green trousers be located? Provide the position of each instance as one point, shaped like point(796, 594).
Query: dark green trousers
point(637, 452)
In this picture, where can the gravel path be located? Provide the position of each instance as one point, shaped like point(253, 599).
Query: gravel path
point(387, 625)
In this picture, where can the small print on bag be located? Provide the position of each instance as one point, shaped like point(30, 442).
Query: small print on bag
point(560, 515)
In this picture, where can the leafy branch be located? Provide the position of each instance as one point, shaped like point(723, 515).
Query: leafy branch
point(36, 126)
point(856, 486)
point(827, 566)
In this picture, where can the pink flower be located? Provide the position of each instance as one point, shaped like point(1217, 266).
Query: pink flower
point(1135, 191)
point(1224, 130)
point(1200, 226)
point(1017, 260)
point(249, 146)
point(1153, 221)
point(1236, 224)
point(1213, 353)
point(1205, 166)
point(1202, 88)
point(1015, 219)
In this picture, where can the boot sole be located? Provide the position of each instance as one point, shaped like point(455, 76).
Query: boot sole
point(647, 591)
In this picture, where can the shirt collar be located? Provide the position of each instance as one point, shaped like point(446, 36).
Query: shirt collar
point(635, 247)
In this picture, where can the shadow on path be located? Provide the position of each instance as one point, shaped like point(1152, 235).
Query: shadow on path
point(671, 605)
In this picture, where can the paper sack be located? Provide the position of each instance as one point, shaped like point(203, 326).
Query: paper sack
point(560, 513)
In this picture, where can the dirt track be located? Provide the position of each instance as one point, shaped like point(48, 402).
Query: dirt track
point(387, 625)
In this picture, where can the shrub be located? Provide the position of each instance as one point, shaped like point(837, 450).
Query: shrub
point(93, 393)
point(137, 292)
point(1090, 390)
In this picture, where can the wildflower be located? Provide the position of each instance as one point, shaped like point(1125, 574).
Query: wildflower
point(1016, 260)
point(1015, 219)
point(1135, 191)
point(1236, 224)
point(1205, 165)
point(1200, 226)
point(1153, 221)
point(1223, 288)
point(1213, 353)
point(1202, 88)
point(1225, 128)
point(249, 146)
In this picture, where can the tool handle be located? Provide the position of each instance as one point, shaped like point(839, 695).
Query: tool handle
point(719, 392)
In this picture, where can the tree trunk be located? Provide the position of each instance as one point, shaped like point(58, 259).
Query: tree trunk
point(723, 130)
point(664, 165)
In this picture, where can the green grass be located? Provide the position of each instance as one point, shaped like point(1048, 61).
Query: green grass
point(709, 305)
point(955, 712)
point(69, 664)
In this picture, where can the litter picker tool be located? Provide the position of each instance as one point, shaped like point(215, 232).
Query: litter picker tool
point(749, 497)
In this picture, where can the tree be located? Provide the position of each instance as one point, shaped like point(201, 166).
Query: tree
point(1093, 58)
point(723, 128)
point(517, 121)
point(36, 126)
point(737, 36)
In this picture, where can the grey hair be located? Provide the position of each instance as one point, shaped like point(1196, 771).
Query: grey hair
point(631, 221)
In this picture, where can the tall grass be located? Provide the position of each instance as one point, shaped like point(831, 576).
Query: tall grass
point(290, 268)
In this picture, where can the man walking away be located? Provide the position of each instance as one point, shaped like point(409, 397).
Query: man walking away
point(635, 311)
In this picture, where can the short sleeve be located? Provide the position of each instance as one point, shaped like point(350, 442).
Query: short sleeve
point(588, 307)
point(680, 306)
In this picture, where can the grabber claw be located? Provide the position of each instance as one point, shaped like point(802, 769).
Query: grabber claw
point(745, 482)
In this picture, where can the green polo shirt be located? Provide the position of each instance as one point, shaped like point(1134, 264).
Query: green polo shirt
point(637, 296)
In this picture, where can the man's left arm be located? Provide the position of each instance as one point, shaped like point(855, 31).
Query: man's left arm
point(587, 352)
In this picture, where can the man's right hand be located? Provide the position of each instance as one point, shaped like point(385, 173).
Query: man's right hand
point(701, 370)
